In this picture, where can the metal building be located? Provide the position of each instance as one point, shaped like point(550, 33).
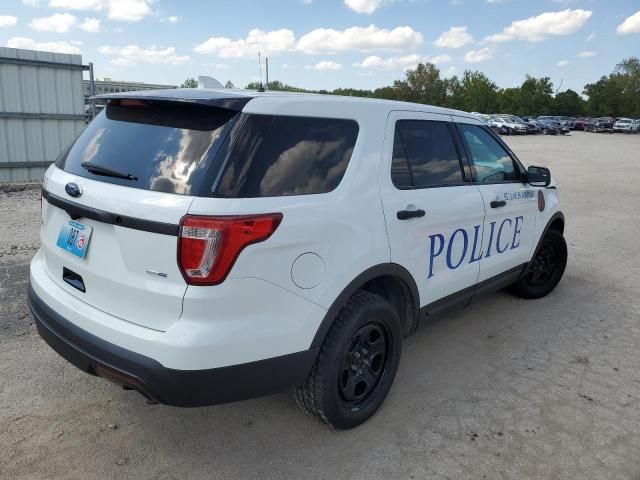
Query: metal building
point(41, 110)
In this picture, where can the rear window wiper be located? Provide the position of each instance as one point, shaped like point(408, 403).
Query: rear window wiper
point(97, 169)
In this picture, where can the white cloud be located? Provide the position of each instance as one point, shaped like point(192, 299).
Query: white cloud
point(630, 25)
point(591, 37)
point(366, 6)
point(268, 43)
point(397, 63)
point(58, 22)
point(31, 3)
point(562, 63)
point(8, 20)
point(172, 19)
point(91, 25)
point(128, 10)
point(30, 44)
point(77, 4)
point(325, 65)
point(133, 54)
point(120, 10)
point(326, 40)
point(476, 56)
point(451, 71)
point(455, 37)
point(540, 27)
point(586, 54)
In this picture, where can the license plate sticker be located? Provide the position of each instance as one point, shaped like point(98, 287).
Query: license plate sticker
point(74, 238)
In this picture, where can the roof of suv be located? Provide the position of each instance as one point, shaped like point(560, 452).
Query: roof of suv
point(281, 102)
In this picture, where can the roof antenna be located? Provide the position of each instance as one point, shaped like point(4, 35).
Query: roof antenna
point(260, 87)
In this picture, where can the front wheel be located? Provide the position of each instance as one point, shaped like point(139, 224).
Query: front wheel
point(356, 365)
point(545, 270)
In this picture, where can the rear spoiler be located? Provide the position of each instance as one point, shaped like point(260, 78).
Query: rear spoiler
point(211, 98)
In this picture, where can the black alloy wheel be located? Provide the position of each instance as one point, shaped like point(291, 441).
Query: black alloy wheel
point(364, 364)
point(543, 264)
point(545, 269)
point(356, 365)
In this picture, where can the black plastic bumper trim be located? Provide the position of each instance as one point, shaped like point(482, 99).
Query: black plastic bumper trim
point(181, 388)
point(76, 211)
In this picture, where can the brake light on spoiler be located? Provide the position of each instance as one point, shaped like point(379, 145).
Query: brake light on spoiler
point(209, 246)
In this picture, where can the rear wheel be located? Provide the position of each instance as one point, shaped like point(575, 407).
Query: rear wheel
point(356, 365)
point(545, 270)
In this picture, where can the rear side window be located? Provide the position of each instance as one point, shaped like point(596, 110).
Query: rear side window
point(424, 155)
point(162, 146)
point(280, 155)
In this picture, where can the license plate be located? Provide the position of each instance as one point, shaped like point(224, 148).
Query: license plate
point(74, 238)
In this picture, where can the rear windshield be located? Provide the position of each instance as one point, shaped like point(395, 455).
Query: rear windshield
point(281, 155)
point(161, 146)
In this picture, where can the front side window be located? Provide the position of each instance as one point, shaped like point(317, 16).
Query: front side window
point(424, 155)
point(276, 155)
point(491, 161)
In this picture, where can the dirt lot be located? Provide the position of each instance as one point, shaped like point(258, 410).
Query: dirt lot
point(506, 389)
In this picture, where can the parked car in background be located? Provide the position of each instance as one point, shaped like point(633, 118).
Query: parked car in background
point(578, 124)
point(598, 125)
point(547, 128)
point(489, 122)
point(625, 125)
point(501, 125)
point(550, 122)
point(567, 122)
point(515, 127)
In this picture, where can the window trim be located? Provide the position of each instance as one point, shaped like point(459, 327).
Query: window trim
point(463, 163)
point(516, 163)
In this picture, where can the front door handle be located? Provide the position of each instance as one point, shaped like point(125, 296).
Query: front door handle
point(498, 203)
point(407, 214)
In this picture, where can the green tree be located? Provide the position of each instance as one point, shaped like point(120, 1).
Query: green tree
point(568, 103)
point(189, 83)
point(229, 84)
point(536, 96)
point(422, 85)
point(474, 92)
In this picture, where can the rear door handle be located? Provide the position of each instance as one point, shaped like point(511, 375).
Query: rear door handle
point(407, 214)
point(498, 203)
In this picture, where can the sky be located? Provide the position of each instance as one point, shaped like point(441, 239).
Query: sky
point(331, 43)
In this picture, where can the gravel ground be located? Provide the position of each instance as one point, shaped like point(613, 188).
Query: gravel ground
point(505, 389)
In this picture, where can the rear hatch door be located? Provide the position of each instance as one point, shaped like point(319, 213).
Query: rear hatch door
point(124, 185)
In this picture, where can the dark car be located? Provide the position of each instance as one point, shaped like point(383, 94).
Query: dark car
point(551, 122)
point(579, 123)
point(602, 124)
point(546, 128)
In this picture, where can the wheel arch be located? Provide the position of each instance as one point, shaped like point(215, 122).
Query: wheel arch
point(556, 222)
point(389, 280)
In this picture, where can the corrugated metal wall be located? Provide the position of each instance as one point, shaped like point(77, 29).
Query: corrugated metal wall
point(41, 110)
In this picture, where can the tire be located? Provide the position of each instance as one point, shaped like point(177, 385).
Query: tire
point(357, 363)
point(545, 269)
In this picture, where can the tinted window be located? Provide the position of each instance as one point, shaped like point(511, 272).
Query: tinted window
point(279, 155)
point(424, 155)
point(168, 147)
point(490, 160)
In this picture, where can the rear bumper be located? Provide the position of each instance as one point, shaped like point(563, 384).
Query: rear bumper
point(182, 388)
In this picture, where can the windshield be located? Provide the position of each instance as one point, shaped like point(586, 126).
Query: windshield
point(160, 146)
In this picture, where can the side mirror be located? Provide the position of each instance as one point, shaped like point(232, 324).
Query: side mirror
point(539, 176)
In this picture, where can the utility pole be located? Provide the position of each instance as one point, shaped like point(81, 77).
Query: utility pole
point(266, 64)
point(92, 90)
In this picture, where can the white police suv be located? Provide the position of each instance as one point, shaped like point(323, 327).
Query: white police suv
point(204, 246)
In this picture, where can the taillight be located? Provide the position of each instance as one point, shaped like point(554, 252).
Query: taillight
point(209, 246)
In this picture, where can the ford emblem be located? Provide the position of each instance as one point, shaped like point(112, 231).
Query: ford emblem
point(73, 189)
